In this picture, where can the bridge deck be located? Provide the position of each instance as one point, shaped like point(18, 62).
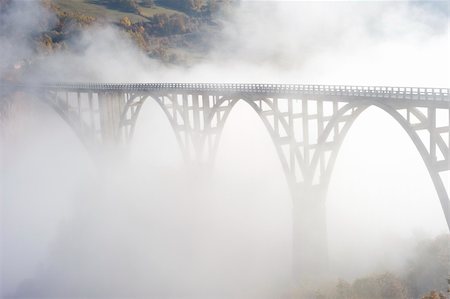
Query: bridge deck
point(388, 92)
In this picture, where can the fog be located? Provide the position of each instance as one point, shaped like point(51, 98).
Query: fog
point(146, 226)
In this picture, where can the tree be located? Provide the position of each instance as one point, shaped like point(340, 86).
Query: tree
point(383, 286)
point(177, 24)
point(125, 21)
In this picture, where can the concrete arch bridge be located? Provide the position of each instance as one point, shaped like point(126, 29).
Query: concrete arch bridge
point(307, 124)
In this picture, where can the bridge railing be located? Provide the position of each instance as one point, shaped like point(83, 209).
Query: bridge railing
point(407, 93)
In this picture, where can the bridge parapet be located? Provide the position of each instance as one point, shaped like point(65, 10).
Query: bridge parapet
point(352, 91)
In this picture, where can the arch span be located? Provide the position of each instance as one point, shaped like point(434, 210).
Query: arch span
point(427, 156)
point(256, 103)
point(197, 126)
point(290, 157)
point(80, 128)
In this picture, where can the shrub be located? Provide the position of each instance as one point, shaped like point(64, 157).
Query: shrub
point(434, 295)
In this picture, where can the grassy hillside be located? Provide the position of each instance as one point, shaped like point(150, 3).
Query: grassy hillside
point(173, 31)
point(100, 10)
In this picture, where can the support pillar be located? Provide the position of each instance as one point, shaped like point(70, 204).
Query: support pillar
point(111, 106)
point(310, 252)
point(112, 136)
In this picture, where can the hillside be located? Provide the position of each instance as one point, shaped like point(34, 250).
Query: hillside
point(170, 30)
point(173, 31)
point(113, 12)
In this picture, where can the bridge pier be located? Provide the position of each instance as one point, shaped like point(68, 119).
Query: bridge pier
point(111, 106)
point(310, 252)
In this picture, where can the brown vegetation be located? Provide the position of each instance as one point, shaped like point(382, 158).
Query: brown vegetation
point(423, 278)
point(428, 268)
point(168, 33)
point(434, 295)
point(153, 36)
point(379, 286)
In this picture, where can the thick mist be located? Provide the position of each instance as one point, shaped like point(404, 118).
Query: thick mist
point(145, 226)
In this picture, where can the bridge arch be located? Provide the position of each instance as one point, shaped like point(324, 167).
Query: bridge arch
point(253, 103)
point(180, 119)
point(79, 127)
point(287, 166)
point(430, 163)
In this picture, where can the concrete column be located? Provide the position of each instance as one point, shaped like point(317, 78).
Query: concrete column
point(111, 143)
point(310, 251)
point(111, 106)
